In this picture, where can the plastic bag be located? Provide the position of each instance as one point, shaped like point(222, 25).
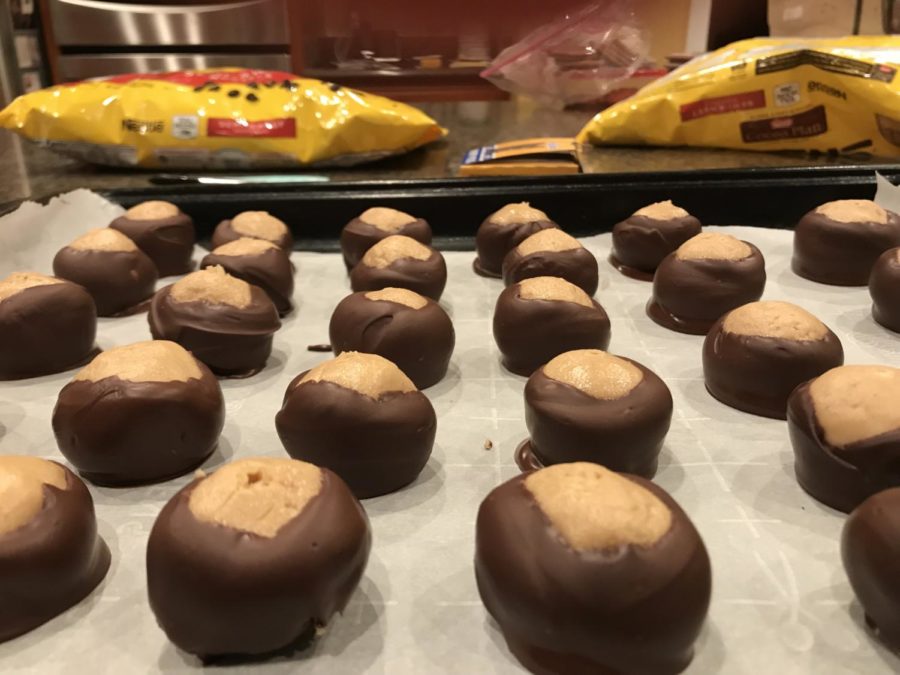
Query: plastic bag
point(836, 95)
point(576, 59)
point(217, 119)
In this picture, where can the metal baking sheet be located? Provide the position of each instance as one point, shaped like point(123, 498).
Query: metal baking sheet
point(781, 602)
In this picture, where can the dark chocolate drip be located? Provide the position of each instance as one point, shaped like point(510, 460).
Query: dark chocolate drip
point(689, 296)
point(870, 549)
point(358, 236)
point(624, 434)
point(169, 242)
point(639, 243)
point(46, 329)
point(225, 233)
point(117, 280)
point(425, 277)
point(232, 341)
point(839, 477)
point(531, 332)
point(577, 266)
point(757, 374)
point(493, 241)
point(271, 270)
point(841, 254)
point(630, 272)
point(217, 591)
point(884, 287)
point(117, 432)
point(631, 609)
point(376, 446)
point(419, 341)
point(52, 562)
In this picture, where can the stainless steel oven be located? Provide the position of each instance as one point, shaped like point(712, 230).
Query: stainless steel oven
point(97, 37)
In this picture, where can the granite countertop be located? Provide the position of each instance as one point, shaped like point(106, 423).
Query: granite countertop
point(31, 172)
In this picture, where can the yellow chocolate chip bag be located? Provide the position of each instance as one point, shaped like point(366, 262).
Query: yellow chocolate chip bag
point(217, 119)
point(831, 94)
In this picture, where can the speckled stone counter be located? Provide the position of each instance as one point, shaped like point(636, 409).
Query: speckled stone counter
point(31, 172)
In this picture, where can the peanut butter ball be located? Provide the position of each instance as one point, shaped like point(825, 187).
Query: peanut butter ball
point(590, 571)
point(362, 417)
point(140, 413)
point(51, 556)
point(161, 231)
point(256, 558)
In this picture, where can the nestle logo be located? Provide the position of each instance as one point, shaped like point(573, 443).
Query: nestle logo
point(143, 126)
point(826, 89)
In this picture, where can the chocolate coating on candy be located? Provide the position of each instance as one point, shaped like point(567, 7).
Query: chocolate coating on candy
point(884, 287)
point(641, 241)
point(757, 354)
point(225, 322)
point(502, 231)
point(219, 587)
point(539, 318)
point(845, 430)
point(161, 231)
point(260, 263)
point(50, 554)
point(255, 225)
point(577, 587)
point(47, 325)
point(401, 262)
point(375, 224)
point(117, 274)
point(870, 550)
point(361, 417)
point(142, 413)
point(707, 276)
point(839, 242)
point(404, 327)
point(587, 405)
point(552, 253)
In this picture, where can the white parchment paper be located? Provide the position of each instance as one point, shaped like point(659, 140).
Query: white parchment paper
point(781, 602)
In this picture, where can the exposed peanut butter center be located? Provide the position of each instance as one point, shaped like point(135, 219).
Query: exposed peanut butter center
point(393, 248)
point(897, 255)
point(713, 246)
point(21, 281)
point(402, 296)
point(551, 239)
point(854, 211)
point(513, 214)
point(774, 319)
point(662, 211)
point(103, 239)
point(244, 246)
point(259, 495)
point(595, 372)
point(259, 224)
point(595, 509)
point(212, 285)
point(22, 481)
point(367, 374)
point(388, 220)
point(150, 361)
point(553, 288)
point(152, 210)
point(855, 403)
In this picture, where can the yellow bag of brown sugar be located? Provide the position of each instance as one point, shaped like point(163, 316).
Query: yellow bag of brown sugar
point(837, 95)
point(217, 119)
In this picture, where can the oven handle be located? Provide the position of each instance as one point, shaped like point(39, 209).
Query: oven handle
point(162, 9)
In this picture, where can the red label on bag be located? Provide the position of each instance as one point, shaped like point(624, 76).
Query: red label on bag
point(278, 128)
point(723, 104)
point(194, 78)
